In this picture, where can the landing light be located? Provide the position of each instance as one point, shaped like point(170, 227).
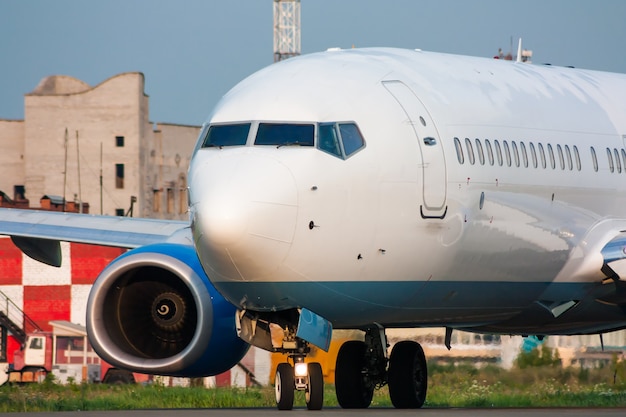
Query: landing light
point(300, 369)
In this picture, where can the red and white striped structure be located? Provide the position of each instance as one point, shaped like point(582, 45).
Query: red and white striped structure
point(46, 293)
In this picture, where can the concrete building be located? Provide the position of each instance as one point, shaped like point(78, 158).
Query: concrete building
point(96, 145)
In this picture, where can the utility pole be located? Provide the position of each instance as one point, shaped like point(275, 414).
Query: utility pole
point(286, 29)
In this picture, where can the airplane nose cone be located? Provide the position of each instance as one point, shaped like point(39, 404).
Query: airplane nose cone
point(245, 216)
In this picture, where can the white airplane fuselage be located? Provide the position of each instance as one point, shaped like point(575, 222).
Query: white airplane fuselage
point(475, 201)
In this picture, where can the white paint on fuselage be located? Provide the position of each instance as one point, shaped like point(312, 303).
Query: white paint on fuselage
point(252, 206)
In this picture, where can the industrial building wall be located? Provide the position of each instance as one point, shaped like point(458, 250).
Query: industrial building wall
point(108, 134)
point(116, 107)
point(12, 155)
point(166, 165)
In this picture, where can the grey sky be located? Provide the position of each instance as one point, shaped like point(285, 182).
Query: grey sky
point(193, 51)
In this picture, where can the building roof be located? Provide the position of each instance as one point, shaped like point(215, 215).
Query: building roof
point(66, 328)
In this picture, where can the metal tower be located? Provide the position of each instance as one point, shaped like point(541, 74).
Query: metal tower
point(286, 29)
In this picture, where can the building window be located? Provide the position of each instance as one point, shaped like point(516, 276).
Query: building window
point(156, 201)
point(170, 200)
point(119, 141)
point(119, 212)
point(119, 175)
point(182, 201)
point(19, 192)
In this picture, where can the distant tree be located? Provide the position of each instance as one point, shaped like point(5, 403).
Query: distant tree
point(539, 356)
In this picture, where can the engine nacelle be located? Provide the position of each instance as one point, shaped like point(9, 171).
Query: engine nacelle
point(153, 310)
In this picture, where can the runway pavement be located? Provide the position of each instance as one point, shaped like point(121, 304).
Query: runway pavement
point(338, 412)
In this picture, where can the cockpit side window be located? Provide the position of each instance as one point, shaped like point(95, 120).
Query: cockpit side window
point(341, 139)
point(285, 134)
point(226, 135)
point(351, 138)
point(328, 139)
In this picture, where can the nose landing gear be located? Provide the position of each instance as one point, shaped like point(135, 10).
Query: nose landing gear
point(290, 332)
point(307, 377)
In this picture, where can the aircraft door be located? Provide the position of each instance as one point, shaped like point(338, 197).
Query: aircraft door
point(433, 161)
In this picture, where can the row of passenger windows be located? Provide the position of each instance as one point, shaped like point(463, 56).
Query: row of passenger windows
point(519, 154)
point(340, 139)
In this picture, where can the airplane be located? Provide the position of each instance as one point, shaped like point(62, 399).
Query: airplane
point(369, 189)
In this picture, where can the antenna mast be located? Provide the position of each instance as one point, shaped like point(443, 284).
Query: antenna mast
point(286, 29)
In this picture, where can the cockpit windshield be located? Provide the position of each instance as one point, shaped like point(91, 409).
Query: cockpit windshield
point(285, 134)
point(226, 135)
point(340, 139)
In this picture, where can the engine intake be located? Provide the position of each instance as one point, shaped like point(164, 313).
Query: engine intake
point(153, 310)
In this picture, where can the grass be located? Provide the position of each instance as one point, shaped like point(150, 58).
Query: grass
point(449, 386)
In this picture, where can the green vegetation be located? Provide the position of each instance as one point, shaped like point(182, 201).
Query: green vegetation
point(547, 385)
point(540, 356)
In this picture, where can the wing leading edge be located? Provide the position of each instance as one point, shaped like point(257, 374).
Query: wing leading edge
point(38, 233)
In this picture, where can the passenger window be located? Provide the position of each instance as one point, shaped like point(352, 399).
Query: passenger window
point(351, 138)
point(328, 141)
point(515, 153)
point(577, 157)
point(524, 154)
point(459, 151)
point(624, 159)
point(533, 154)
point(617, 161)
point(594, 159)
point(542, 154)
point(498, 152)
point(285, 134)
point(551, 154)
point(568, 154)
point(479, 150)
point(507, 153)
point(470, 151)
point(226, 135)
point(489, 151)
point(561, 158)
point(610, 156)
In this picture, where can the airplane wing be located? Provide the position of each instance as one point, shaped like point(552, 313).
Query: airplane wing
point(38, 233)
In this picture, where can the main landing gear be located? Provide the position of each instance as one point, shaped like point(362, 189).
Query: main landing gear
point(300, 376)
point(362, 367)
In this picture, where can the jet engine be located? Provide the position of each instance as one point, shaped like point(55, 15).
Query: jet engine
point(153, 310)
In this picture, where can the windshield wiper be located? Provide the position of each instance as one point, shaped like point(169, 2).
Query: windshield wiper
point(293, 143)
